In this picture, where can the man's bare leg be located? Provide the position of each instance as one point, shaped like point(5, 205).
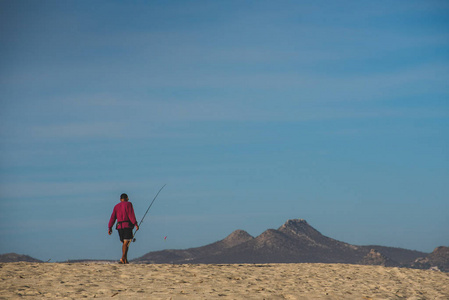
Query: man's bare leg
point(125, 248)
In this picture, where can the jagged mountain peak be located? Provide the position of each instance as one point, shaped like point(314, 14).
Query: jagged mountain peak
point(441, 250)
point(269, 234)
point(295, 223)
point(237, 237)
point(298, 227)
point(270, 238)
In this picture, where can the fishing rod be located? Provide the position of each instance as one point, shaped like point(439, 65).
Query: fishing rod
point(134, 239)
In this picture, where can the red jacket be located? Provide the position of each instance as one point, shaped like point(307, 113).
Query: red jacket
point(123, 211)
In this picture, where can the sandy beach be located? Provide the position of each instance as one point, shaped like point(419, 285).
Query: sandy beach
point(270, 281)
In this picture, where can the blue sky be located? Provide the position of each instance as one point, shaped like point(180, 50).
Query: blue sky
point(251, 112)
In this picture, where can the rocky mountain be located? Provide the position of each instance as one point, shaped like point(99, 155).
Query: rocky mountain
point(438, 259)
point(14, 257)
point(376, 258)
point(397, 254)
point(192, 254)
point(295, 241)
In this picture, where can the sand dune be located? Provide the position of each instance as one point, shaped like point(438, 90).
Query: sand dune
point(270, 281)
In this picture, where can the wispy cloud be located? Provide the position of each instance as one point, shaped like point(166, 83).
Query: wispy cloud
point(80, 130)
point(263, 97)
point(29, 190)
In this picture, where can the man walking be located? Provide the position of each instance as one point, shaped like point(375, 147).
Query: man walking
point(126, 220)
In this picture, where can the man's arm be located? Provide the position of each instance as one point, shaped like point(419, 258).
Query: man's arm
point(112, 221)
point(132, 216)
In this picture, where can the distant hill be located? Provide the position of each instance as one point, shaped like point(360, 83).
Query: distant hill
point(295, 242)
point(376, 258)
point(14, 257)
point(397, 254)
point(192, 254)
point(438, 259)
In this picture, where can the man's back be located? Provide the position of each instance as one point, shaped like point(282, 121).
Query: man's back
point(123, 211)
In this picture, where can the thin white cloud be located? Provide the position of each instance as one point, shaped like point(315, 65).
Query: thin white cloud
point(264, 97)
point(56, 224)
point(79, 130)
point(16, 190)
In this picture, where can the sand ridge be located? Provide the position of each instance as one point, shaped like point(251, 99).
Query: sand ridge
point(244, 281)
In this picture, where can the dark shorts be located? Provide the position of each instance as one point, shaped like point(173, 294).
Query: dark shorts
point(126, 234)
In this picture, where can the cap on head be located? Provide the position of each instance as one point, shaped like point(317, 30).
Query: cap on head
point(124, 196)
